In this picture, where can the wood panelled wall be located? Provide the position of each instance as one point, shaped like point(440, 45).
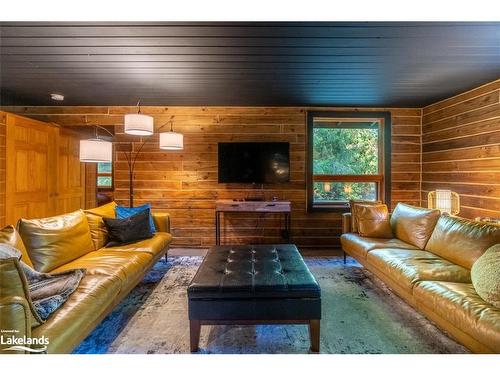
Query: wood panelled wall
point(184, 183)
point(3, 176)
point(461, 149)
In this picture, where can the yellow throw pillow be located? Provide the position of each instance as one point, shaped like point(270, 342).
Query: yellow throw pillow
point(98, 230)
point(54, 241)
point(373, 221)
point(354, 207)
point(10, 236)
point(485, 275)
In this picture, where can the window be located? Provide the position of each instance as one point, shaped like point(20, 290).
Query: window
point(104, 176)
point(348, 158)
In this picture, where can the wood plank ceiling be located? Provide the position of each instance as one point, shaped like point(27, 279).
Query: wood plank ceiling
point(247, 64)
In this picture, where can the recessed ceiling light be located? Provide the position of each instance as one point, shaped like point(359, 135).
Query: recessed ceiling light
point(57, 97)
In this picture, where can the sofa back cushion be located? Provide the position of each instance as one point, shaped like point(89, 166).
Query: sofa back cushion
point(462, 241)
point(373, 221)
point(413, 225)
point(98, 231)
point(54, 241)
point(354, 211)
point(10, 236)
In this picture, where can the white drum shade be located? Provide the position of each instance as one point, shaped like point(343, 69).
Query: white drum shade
point(138, 124)
point(96, 151)
point(171, 141)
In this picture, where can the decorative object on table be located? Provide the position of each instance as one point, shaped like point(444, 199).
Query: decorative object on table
point(446, 201)
point(485, 275)
point(131, 229)
point(47, 291)
point(373, 221)
point(489, 220)
point(123, 212)
point(99, 150)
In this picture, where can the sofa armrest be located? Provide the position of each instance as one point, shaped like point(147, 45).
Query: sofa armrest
point(346, 222)
point(17, 313)
point(162, 221)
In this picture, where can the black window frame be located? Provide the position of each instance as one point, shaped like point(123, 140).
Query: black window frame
point(387, 136)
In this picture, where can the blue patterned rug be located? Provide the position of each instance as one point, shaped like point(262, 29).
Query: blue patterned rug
point(360, 315)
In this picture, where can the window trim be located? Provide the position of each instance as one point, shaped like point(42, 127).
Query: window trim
point(385, 116)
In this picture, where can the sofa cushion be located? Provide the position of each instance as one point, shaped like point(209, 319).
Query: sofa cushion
point(122, 265)
point(54, 241)
point(413, 224)
point(459, 304)
point(407, 267)
point(485, 275)
point(373, 221)
point(359, 246)
point(462, 241)
point(92, 297)
point(354, 211)
point(98, 230)
point(153, 245)
point(10, 236)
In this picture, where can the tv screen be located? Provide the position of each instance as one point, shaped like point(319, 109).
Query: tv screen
point(254, 162)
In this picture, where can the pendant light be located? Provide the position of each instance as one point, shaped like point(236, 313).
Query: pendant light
point(96, 150)
point(139, 124)
point(171, 140)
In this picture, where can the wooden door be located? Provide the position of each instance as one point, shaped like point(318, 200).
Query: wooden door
point(70, 194)
point(31, 168)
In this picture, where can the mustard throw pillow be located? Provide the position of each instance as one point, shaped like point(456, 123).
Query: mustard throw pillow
point(485, 275)
point(373, 221)
point(98, 231)
point(354, 207)
point(54, 241)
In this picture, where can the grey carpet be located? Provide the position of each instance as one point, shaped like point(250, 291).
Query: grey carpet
point(360, 315)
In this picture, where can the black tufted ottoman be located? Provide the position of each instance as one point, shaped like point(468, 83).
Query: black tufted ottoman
point(254, 284)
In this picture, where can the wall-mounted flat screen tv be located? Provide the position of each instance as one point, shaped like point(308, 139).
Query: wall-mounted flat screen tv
point(254, 162)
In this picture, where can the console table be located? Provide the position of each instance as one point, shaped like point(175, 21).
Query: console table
point(266, 207)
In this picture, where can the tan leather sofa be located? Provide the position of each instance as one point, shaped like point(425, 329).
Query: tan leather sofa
point(111, 273)
point(434, 278)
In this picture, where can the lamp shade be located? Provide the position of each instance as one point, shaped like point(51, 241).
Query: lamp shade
point(96, 151)
point(171, 141)
point(446, 201)
point(138, 124)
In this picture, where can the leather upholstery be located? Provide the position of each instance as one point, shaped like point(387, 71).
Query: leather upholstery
point(413, 224)
point(261, 282)
point(354, 211)
point(437, 283)
point(248, 271)
point(462, 241)
point(9, 235)
point(346, 222)
point(373, 221)
point(407, 267)
point(359, 246)
point(90, 299)
point(54, 241)
point(459, 304)
point(111, 274)
point(98, 230)
point(122, 265)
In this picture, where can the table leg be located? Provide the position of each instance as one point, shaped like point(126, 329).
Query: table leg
point(314, 330)
point(194, 334)
point(217, 228)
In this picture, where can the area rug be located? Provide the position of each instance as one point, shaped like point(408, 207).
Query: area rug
point(359, 315)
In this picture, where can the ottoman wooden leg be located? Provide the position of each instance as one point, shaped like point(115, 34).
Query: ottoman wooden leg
point(194, 334)
point(314, 335)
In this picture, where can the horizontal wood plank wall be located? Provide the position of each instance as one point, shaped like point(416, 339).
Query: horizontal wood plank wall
point(184, 183)
point(461, 149)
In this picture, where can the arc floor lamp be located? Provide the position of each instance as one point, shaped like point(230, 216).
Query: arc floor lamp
point(99, 150)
